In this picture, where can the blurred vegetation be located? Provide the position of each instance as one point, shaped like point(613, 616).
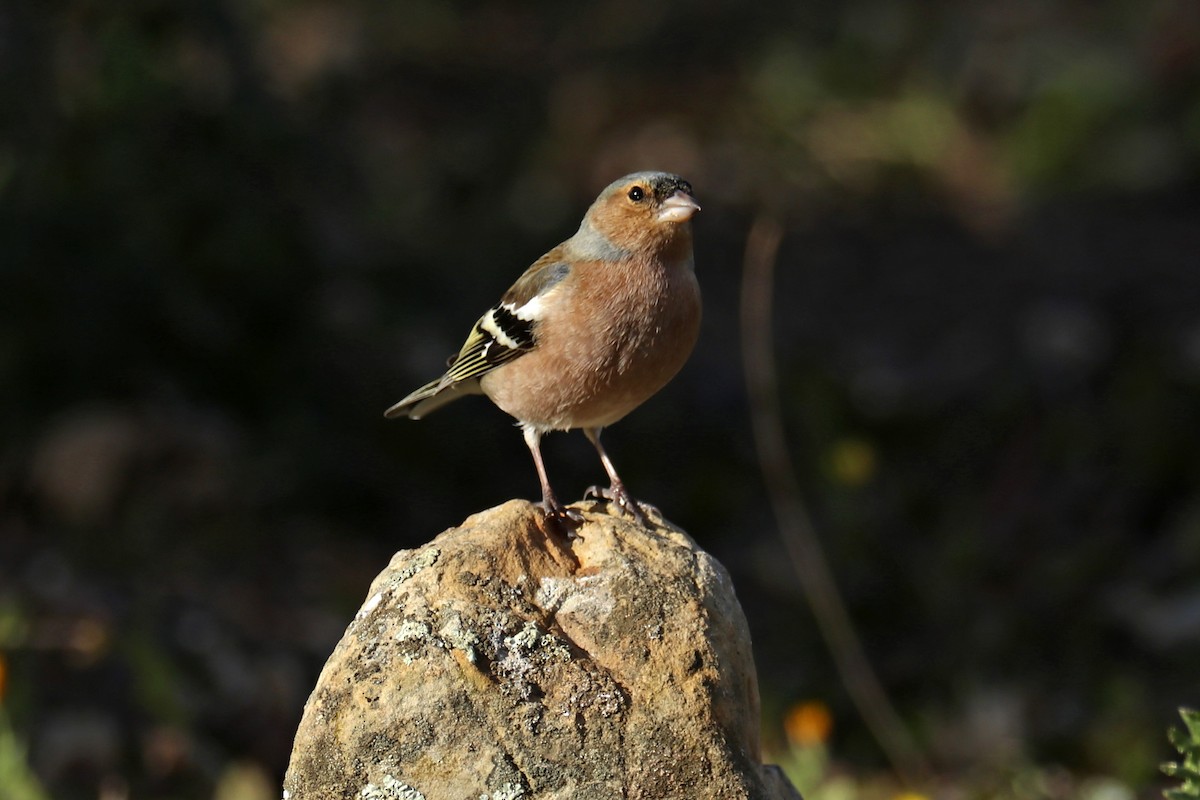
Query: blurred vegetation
point(807, 760)
point(1187, 770)
point(17, 782)
point(231, 234)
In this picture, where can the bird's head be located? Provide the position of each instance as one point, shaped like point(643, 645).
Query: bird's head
point(644, 209)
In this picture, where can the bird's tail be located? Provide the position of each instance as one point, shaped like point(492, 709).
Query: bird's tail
point(431, 397)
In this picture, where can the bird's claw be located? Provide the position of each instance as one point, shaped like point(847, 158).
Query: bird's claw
point(618, 494)
point(561, 520)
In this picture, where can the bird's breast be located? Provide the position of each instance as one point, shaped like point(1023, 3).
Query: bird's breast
point(617, 335)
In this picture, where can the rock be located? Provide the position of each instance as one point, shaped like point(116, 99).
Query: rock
point(498, 662)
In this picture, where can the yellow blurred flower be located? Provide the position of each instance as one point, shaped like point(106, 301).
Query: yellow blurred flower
point(909, 795)
point(808, 723)
point(853, 461)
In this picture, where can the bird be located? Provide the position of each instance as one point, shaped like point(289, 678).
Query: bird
point(590, 331)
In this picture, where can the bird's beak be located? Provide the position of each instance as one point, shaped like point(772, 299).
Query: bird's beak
point(679, 207)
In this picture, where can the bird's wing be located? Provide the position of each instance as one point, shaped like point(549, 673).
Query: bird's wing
point(505, 332)
point(508, 329)
point(542, 276)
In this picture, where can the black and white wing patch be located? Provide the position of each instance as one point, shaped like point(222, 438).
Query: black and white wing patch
point(500, 335)
point(505, 332)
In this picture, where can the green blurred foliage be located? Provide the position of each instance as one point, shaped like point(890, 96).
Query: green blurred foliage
point(1187, 770)
point(232, 234)
point(16, 780)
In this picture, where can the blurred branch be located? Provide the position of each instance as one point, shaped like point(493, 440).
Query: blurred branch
point(795, 525)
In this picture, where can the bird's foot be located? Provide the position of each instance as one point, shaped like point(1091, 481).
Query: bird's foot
point(618, 494)
point(561, 520)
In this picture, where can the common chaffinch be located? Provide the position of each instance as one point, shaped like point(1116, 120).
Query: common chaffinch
point(591, 330)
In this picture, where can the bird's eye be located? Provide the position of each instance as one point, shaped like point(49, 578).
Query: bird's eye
point(637, 194)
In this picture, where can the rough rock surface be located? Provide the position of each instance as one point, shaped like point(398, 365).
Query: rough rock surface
point(498, 662)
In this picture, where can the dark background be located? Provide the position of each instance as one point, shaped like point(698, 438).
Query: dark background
point(231, 234)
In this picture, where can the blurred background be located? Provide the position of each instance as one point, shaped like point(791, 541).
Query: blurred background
point(231, 234)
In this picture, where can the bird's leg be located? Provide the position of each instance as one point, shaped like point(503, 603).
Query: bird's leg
point(616, 492)
point(555, 512)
